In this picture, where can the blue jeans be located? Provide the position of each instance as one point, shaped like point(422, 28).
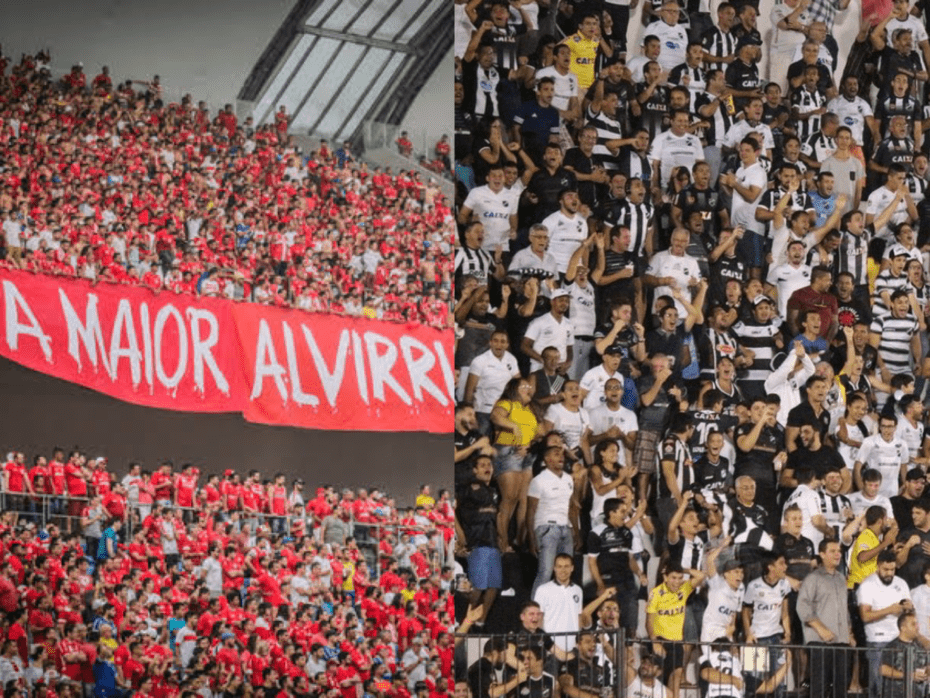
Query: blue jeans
point(550, 541)
point(874, 655)
point(753, 680)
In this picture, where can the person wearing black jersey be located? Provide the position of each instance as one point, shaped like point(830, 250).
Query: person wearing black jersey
point(763, 336)
point(726, 266)
point(610, 560)
point(797, 550)
point(742, 75)
point(713, 473)
point(691, 73)
point(482, 675)
point(476, 527)
point(548, 182)
point(719, 43)
point(633, 160)
point(651, 105)
point(585, 676)
point(899, 102)
point(716, 109)
point(896, 56)
point(538, 683)
point(620, 331)
point(469, 442)
point(750, 522)
point(760, 452)
point(700, 196)
point(676, 468)
point(708, 419)
point(615, 269)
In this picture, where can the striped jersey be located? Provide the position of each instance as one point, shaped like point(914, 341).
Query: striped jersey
point(638, 218)
point(853, 255)
point(674, 449)
point(886, 282)
point(895, 344)
point(469, 262)
point(805, 102)
point(760, 339)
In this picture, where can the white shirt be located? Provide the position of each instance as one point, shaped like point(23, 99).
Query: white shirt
point(723, 603)
point(913, 436)
point(852, 113)
point(675, 151)
point(787, 279)
point(527, 259)
point(878, 595)
point(214, 579)
point(766, 601)
point(674, 41)
point(546, 331)
point(918, 31)
point(561, 607)
point(878, 201)
point(554, 493)
point(572, 425)
point(860, 503)
point(583, 317)
point(492, 374)
point(494, 211)
point(741, 129)
point(886, 457)
point(565, 236)
point(593, 382)
point(682, 269)
point(743, 212)
point(603, 418)
point(566, 86)
point(637, 689)
point(186, 639)
point(920, 596)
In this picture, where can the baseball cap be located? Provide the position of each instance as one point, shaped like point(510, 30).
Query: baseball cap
point(613, 350)
point(761, 298)
point(747, 40)
point(560, 293)
point(897, 251)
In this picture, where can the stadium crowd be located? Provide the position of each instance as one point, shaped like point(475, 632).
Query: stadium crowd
point(691, 320)
point(105, 181)
point(176, 583)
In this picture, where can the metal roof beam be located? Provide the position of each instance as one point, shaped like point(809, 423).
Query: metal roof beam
point(356, 39)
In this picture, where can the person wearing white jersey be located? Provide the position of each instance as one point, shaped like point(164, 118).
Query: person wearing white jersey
point(882, 597)
point(567, 229)
point(536, 256)
point(675, 148)
point(489, 373)
point(746, 187)
point(593, 382)
point(674, 270)
point(672, 36)
point(566, 82)
point(910, 430)
point(491, 204)
point(885, 452)
point(553, 329)
point(583, 317)
point(869, 495)
point(725, 593)
point(813, 524)
point(612, 421)
point(765, 615)
point(570, 419)
point(785, 279)
point(854, 112)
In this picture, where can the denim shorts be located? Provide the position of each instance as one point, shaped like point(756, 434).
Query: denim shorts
point(508, 460)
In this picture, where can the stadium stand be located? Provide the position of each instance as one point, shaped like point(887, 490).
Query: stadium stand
point(691, 310)
point(105, 181)
point(177, 583)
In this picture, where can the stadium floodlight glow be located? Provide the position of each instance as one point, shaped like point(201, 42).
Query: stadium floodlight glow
point(335, 64)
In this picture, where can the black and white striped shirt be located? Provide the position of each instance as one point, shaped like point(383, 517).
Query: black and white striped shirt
point(760, 339)
point(608, 128)
point(473, 262)
point(886, 282)
point(718, 43)
point(895, 344)
point(806, 102)
point(638, 218)
point(832, 506)
point(676, 450)
point(853, 256)
point(718, 124)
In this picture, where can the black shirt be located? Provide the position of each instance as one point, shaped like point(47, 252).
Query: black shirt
point(588, 676)
point(798, 553)
point(476, 511)
point(713, 476)
point(903, 512)
point(912, 570)
point(758, 463)
point(804, 413)
point(612, 547)
point(481, 675)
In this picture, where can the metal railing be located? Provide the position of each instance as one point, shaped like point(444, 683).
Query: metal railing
point(43, 509)
point(622, 666)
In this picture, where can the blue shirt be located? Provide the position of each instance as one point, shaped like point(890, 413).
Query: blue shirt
point(823, 206)
point(812, 347)
point(108, 534)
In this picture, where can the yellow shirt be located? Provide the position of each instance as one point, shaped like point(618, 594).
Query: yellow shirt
point(348, 574)
point(584, 54)
point(521, 415)
point(669, 610)
point(425, 501)
point(860, 570)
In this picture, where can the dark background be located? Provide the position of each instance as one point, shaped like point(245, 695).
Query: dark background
point(40, 412)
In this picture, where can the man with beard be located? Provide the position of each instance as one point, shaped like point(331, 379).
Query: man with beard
point(702, 197)
point(482, 675)
point(913, 549)
point(548, 182)
point(645, 680)
point(882, 597)
point(904, 503)
point(476, 528)
point(760, 450)
point(468, 440)
point(585, 676)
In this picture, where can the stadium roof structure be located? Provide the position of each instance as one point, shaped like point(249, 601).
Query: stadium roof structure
point(335, 64)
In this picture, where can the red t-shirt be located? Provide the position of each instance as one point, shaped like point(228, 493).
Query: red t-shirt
point(74, 477)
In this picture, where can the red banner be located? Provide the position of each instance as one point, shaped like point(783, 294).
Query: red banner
point(275, 366)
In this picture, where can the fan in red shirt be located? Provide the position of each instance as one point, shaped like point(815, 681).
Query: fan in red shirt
point(77, 475)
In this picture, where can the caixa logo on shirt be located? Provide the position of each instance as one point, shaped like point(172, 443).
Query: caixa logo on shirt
point(494, 214)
